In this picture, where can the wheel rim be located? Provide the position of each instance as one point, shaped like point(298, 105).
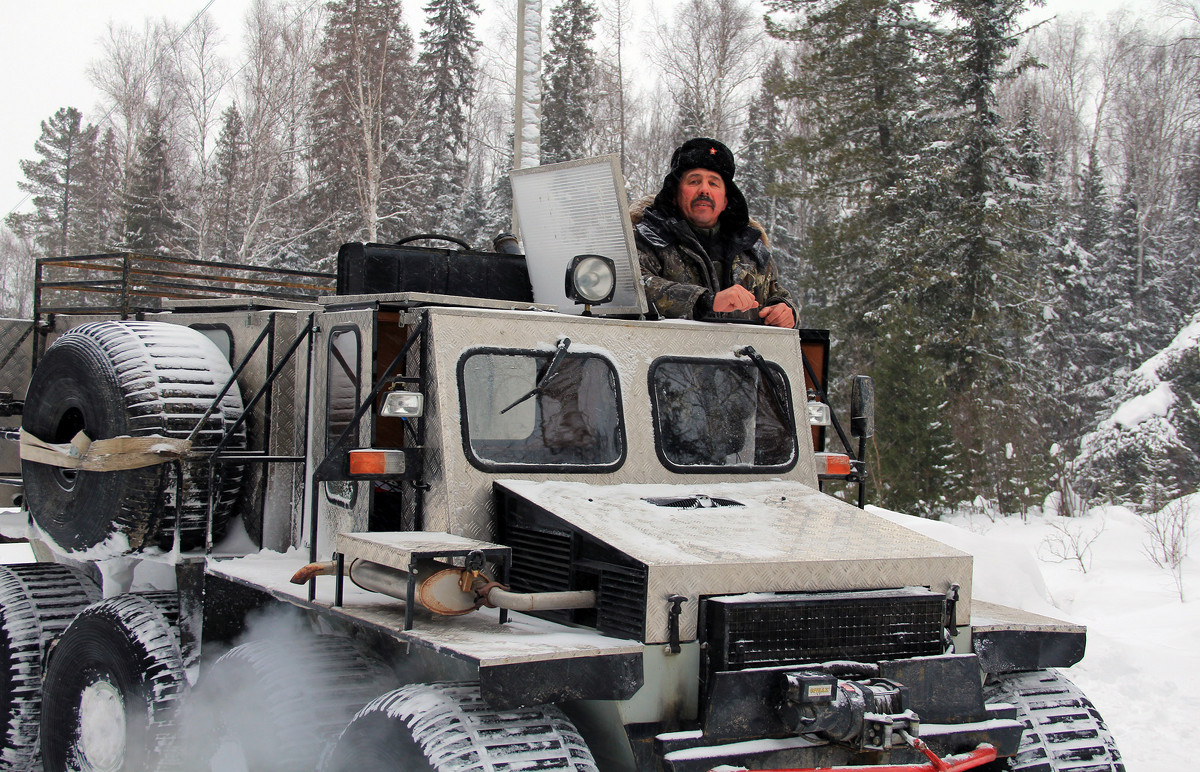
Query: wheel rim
point(102, 728)
point(70, 424)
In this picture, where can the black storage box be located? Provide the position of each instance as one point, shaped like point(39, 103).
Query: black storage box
point(367, 269)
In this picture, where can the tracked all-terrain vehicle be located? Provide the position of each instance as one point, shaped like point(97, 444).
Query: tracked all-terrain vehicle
point(407, 518)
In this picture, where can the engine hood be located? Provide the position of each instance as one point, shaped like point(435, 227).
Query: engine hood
point(705, 539)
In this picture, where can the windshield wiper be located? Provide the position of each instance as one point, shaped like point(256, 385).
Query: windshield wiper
point(549, 373)
point(774, 390)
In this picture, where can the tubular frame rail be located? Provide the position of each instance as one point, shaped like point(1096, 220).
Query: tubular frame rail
point(218, 455)
point(859, 459)
point(330, 468)
point(134, 281)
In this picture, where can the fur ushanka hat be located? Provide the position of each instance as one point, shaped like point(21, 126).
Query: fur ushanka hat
point(704, 153)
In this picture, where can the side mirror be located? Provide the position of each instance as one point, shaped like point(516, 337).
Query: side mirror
point(862, 406)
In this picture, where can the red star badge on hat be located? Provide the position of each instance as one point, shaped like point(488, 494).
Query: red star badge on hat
point(712, 151)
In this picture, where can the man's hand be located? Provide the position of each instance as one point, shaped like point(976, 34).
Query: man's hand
point(735, 298)
point(778, 315)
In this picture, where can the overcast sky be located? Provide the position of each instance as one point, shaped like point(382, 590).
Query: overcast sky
point(46, 46)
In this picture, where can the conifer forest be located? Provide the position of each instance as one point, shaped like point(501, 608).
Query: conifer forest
point(997, 217)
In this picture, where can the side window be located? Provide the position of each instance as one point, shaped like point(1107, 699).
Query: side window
point(519, 416)
point(344, 370)
point(721, 414)
point(221, 337)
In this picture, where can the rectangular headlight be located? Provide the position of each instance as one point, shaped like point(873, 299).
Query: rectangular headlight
point(818, 414)
point(403, 404)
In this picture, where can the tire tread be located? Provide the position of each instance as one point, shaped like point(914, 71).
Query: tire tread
point(1063, 730)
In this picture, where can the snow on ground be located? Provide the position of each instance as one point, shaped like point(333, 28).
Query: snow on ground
point(1142, 667)
point(15, 553)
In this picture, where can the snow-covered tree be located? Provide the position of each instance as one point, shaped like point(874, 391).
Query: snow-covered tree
point(99, 204)
point(228, 200)
point(708, 57)
point(16, 275)
point(152, 203)
point(57, 182)
point(197, 80)
point(568, 79)
point(274, 96)
point(130, 75)
point(1144, 451)
point(447, 71)
point(361, 122)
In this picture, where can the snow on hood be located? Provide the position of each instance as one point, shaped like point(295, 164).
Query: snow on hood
point(769, 522)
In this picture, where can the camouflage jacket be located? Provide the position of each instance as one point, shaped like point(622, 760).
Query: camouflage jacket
point(676, 271)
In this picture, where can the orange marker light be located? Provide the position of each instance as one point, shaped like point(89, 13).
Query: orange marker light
point(371, 461)
point(833, 463)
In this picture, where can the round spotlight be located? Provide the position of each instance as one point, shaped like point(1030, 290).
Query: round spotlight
point(591, 279)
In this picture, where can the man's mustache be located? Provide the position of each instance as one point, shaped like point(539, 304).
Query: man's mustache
point(704, 197)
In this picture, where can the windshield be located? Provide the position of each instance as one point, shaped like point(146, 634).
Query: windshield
point(518, 413)
point(711, 414)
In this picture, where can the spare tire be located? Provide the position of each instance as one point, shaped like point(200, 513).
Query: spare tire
point(142, 379)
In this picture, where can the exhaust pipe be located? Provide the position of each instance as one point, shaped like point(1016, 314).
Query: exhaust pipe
point(439, 588)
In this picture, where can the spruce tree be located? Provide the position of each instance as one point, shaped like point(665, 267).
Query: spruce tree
point(227, 204)
point(57, 182)
point(982, 296)
point(758, 175)
point(362, 124)
point(866, 86)
point(861, 160)
point(568, 98)
point(1093, 210)
point(100, 205)
point(152, 205)
point(447, 70)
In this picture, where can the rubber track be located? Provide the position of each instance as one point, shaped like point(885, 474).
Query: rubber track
point(37, 602)
point(458, 731)
point(1063, 730)
point(168, 386)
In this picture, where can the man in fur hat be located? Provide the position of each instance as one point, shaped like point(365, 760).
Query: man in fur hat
point(699, 250)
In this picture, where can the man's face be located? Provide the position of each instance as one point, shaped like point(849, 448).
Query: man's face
point(701, 197)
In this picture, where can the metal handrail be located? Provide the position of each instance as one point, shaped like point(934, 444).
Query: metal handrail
point(131, 276)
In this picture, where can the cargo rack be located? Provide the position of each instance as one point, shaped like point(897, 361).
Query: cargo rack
point(129, 283)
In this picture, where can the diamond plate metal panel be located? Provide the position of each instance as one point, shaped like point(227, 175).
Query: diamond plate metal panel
point(16, 367)
point(780, 537)
point(460, 498)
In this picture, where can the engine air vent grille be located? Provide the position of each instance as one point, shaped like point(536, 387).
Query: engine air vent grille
point(762, 631)
point(621, 602)
point(541, 559)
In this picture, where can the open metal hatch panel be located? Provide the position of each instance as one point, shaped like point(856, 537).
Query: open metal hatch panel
point(577, 208)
